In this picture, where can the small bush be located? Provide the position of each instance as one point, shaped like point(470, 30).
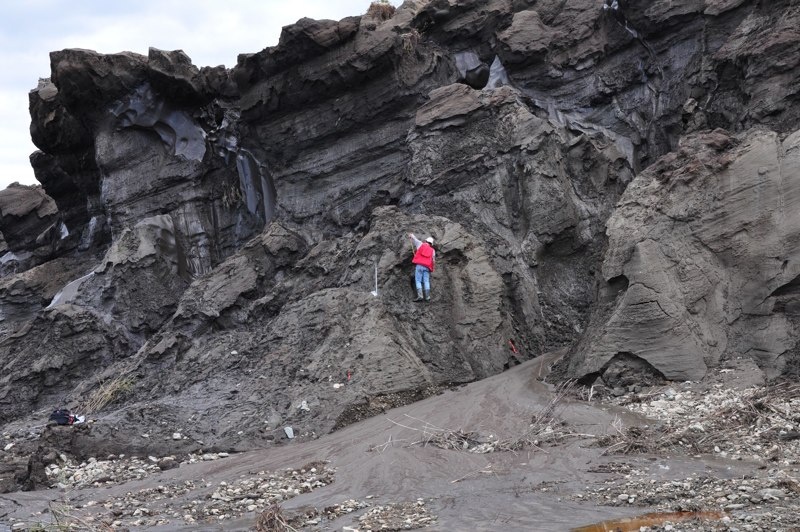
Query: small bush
point(381, 10)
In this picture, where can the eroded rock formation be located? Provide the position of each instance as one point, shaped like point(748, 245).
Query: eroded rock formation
point(30, 227)
point(702, 259)
point(613, 177)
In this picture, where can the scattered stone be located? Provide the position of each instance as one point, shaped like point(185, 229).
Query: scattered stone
point(769, 493)
point(346, 507)
point(167, 463)
point(156, 506)
point(710, 418)
point(399, 516)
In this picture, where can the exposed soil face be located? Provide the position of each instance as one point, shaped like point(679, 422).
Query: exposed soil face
point(615, 181)
point(438, 464)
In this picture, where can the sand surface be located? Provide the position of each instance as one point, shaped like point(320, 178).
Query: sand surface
point(386, 459)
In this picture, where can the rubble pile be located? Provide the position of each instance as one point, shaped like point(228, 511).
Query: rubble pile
point(349, 506)
point(758, 423)
point(251, 494)
point(310, 518)
point(765, 503)
point(66, 473)
point(197, 502)
point(709, 420)
point(399, 516)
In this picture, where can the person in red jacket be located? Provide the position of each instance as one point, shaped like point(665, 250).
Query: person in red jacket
point(425, 261)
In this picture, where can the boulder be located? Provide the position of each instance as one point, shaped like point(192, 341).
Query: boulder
point(32, 232)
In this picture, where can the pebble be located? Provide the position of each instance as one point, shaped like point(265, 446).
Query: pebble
point(769, 493)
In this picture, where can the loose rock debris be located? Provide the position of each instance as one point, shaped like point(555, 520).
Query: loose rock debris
point(754, 424)
point(69, 474)
point(399, 516)
point(395, 516)
point(166, 503)
point(198, 501)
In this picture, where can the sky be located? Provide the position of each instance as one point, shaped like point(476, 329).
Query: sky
point(211, 32)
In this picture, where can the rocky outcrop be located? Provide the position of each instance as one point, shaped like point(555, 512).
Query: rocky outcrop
point(702, 260)
point(136, 150)
point(274, 341)
point(25, 294)
point(643, 73)
point(30, 228)
point(74, 341)
point(539, 193)
point(610, 177)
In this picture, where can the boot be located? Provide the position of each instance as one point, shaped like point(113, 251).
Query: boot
point(427, 295)
point(419, 295)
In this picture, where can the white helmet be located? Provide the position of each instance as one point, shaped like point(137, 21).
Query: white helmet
point(429, 240)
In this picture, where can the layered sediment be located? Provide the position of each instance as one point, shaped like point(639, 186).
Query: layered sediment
point(611, 178)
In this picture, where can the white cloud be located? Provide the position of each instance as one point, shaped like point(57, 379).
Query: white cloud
point(209, 31)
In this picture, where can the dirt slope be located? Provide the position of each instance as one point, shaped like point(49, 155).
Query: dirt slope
point(548, 486)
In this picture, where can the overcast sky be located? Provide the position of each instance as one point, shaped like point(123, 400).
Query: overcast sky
point(211, 32)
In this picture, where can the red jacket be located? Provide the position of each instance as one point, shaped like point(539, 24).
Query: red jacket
point(424, 256)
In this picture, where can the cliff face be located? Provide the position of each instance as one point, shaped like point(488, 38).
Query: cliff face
point(616, 178)
point(702, 260)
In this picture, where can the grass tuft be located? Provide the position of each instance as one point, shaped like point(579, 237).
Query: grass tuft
point(108, 392)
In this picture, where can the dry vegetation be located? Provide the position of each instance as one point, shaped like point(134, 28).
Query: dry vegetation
point(759, 414)
point(381, 10)
point(107, 393)
point(545, 426)
point(272, 520)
